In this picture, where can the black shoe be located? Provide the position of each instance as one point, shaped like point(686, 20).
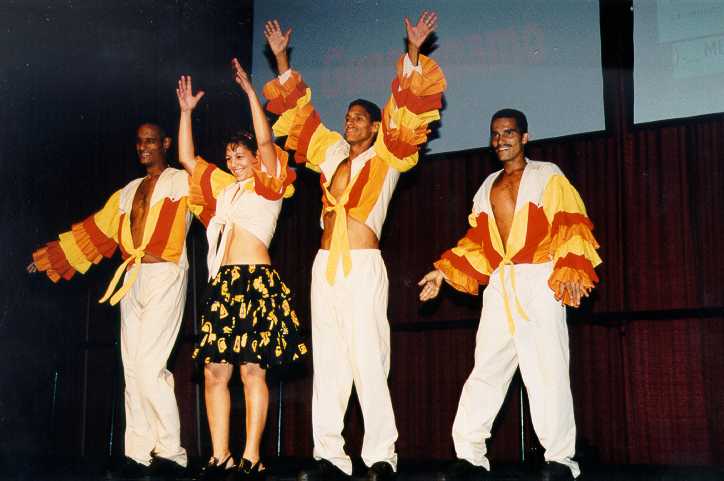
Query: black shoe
point(165, 468)
point(249, 471)
point(553, 471)
point(216, 470)
point(130, 469)
point(323, 471)
point(381, 471)
point(463, 470)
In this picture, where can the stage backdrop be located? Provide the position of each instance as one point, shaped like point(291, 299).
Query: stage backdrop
point(541, 57)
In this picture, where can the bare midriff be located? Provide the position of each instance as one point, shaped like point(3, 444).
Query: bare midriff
point(243, 247)
point(360, 236)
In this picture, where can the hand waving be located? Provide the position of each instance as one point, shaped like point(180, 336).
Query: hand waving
point(278, 40)
point(241, 77)
point(186, 99)
point(417, 34)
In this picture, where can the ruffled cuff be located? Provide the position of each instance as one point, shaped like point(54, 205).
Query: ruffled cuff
point(51, 260)
point(274, 187)
point(572, 268)
point(420, 91)
point(460, 274)
point(283, 96)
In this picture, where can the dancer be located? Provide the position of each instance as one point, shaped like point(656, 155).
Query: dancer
point(359, 171)
point(148, 219)
point(530, 241)
point(247, 318)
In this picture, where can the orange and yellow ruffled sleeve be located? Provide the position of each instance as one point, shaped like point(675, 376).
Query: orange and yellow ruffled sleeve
point(468, 265)
point(572, 245)
point(205, 184)
point(415, 102)
point(299, 121)
point(85, 244)
point(281, 184)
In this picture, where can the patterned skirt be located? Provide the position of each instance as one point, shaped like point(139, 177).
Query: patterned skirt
point(247, 317)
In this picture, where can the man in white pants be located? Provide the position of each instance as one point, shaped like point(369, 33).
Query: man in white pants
point(148, 220)
point(359, 172)
point(530, 241)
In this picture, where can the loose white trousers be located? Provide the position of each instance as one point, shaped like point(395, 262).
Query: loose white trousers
point(539, 347)
point(151, 314)
point(351, 344)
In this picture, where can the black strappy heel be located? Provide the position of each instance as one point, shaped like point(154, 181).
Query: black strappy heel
point(251, 471)
point(216, 470)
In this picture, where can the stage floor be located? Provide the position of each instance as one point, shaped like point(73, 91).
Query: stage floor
point(285, 470)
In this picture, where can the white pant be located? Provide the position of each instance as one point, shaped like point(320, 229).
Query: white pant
point(151, 314)
point(351, 343)
point(539, 347)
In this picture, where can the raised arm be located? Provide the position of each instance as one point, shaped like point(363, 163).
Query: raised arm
point(418, 33)
point(262, 131)
point(187, 102)
point(278, 43)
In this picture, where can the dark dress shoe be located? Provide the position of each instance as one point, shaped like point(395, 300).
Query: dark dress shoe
point(165, 468)
point(130, 469)
point(250, 471)
point(216, 470)
point(381, 471)
point(553, 471)
point(463, 470)
point(323, 470)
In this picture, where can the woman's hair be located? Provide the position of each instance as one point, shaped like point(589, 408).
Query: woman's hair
point(244, 138)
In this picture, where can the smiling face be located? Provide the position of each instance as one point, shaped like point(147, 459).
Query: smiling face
point(506, 139)
point(358, 126)
point(239, 160)
point(151, 146)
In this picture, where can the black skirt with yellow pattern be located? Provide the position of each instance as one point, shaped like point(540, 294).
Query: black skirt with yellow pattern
point(247, 317)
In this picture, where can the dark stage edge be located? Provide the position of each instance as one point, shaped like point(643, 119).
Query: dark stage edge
point(285, 470)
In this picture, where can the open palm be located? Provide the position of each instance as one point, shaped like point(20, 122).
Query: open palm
point(418, 33)
point(278, 40)
point(187, 101)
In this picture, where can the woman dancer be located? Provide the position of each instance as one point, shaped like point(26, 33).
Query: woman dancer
point(247, 318)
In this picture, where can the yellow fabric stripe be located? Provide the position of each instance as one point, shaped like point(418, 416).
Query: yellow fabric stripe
point(495, 236)
point(177, 237)
point(220, 180)
point(284, 123)
point(456, 278)
point(578, 246)
point(518, 231)
point(319, 144)
point(474, 255)
point(73, 254)
point(560, 196)
point(108, 217)
point(399, 164)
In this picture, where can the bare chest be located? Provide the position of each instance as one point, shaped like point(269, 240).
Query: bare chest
point(340, 179)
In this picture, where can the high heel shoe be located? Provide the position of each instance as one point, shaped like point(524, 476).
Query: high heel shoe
point(249, 471)
point(216, 470)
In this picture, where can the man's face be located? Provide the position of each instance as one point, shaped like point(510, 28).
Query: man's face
point(358, 128)
point(506, 140)
point(151, 148)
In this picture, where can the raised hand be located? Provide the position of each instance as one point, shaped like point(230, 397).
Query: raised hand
point(278, 40)
point(417, 34)
point(241, 77)
point(430, 285)
point(186, 99)
point(32, 268)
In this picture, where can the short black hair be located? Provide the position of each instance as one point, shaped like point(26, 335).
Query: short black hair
point(520, 121)
point(244, 138)
point(371, 108)
point(161, 131)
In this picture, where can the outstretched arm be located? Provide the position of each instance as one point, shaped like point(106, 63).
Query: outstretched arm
point(187, 102)
point(262, 131)
point(278, 42)
point(418, 33)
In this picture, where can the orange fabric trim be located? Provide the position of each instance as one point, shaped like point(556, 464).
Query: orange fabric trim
point(177, 234)
point(124, 253)
point(304, 135)
point(579, 264)
point(563, 219)
point(359, 186)
point(461, 275)
point(58, 262)
point(417, 104)
point(104, 244)
point(283, 97)
point(164, 224)
point(536, 232)
point(82, 239)
point(431, 81)
point(273, 187)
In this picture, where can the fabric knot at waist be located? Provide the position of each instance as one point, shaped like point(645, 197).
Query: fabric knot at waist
point(135, 256)
point(506, 301)
point(340, 240)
